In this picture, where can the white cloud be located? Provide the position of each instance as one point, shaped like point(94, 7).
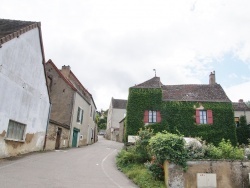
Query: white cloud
point(112, 45)
point(240, 91)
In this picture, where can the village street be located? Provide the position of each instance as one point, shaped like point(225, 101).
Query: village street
point(90, 166)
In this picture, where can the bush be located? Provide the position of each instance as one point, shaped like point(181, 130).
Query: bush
point(243, 131)
point(126, 157)
point(225, 150)
point(167, 146)
point(156, 169)
point(195, 150)
point(141, 145)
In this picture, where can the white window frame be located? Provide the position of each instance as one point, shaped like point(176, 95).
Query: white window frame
point(79, 118)
point(152, 116)
point(203, 116)
point(16, 131)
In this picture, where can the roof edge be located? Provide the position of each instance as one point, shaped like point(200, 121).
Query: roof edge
point(15, 34)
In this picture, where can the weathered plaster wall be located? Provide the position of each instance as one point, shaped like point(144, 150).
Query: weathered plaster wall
point(229, 174)
point(51, 138)
point(84, 127)
point(117, 116)
point(109, 122)
point(92, 124)
point(121, 131)
point(24, 96)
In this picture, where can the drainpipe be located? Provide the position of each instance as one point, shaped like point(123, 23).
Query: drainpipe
point(45, 140)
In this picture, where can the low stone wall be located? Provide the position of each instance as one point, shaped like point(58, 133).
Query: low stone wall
point(229, 174)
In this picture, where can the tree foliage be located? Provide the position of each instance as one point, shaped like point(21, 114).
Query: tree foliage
point(101, 119)
point(243, 131)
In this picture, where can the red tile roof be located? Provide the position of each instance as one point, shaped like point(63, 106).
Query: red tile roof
point(119, 103)
point(154, 82)
point(240, 106)
point(189, 92)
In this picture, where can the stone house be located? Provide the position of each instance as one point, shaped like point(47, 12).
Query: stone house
point(72, 119)
point(116, 112)
point(241, 109)
point(193, 110)
point(24, 97)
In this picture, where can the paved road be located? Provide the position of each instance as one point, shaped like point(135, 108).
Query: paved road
point(88, 167)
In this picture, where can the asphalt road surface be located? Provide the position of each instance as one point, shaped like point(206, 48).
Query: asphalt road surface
point(90, 166)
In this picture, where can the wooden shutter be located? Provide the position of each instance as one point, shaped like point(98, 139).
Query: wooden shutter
point(158, 117)
point(145, 120)
point(210, 117)
point(197, 116)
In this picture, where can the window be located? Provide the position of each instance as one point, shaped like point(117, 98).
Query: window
point(237, 121)
point(204, 117)
point(15, 131)
point(151, 116)
point(79, 115)
point(94, 116)
point(90, 111)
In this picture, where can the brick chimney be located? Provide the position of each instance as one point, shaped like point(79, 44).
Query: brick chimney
point(212, 78)
point(241, 101)
point(65, 71)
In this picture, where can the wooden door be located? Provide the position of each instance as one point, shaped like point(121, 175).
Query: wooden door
point(74, 140)
point(58, 138)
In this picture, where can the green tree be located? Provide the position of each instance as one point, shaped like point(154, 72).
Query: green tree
point(243, 132)
point(101, 119)
point(248, 103)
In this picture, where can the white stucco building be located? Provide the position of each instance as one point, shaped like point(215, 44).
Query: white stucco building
point(116, 112)
point(24, 96)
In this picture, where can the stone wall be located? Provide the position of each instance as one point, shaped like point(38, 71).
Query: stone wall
point(229, 174)
point(51, 137)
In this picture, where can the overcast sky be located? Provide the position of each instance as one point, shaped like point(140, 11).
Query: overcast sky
point(112, 45)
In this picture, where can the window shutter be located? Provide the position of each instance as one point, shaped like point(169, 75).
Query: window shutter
point(158, 118)
point(145, 116)
point(210, 117)
point(197, 116)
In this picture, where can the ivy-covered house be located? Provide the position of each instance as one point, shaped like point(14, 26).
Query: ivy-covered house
point(193, 110)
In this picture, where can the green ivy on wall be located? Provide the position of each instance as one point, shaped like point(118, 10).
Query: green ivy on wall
point(179, 117)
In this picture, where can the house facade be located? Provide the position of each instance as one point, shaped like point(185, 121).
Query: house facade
point(24, 97)
point(116, 112)
point(73, 110)
point(241, 109)
point(193, 110)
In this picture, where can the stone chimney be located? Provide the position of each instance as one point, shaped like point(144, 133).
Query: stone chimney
point(212, 78)
point(65, 71)
point(241, 101)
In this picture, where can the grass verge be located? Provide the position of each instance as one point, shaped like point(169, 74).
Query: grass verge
point(140, 175)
